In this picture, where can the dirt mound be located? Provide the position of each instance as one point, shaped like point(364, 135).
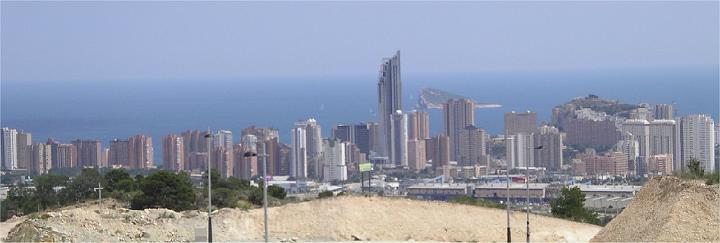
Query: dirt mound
point(337, 219)
point(670, 210)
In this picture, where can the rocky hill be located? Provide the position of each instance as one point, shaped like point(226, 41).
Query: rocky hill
point(668, 209)
point(336, 219)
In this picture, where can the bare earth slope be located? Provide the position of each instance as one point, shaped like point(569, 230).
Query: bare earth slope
point(337, 219)
point(670, 210)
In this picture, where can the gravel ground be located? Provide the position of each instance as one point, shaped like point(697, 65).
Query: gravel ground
point(337, 219)
point(668, 209)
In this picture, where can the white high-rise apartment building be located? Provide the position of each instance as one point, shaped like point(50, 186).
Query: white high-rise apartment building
point(314, 148)
point(519, 150)
point(223, 138)
point(298, 150)
point(663, 138)
point(9, 148)
point(629, 146)
point(398, 129)
point(334, 161)
point(697, 139)
point(389, 101)
point(638, 130)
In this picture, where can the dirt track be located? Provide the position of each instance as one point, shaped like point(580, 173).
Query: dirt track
point(338, 219)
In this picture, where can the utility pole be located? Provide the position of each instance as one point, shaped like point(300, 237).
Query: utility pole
point(209, 176)
point(99, 190)
point(265, 188)
point(263, 155)
point(507, 183)
point(527, 188)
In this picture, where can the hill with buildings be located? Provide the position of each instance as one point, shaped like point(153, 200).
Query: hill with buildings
point(668, 209)
point(335, 219)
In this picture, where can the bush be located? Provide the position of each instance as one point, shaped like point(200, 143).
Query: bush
point(570, 205)
point(467, 200)
point(277, 192)
point(713, 178)
point(166, 190)
point(326, 194)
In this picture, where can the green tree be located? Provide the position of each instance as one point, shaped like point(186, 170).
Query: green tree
point(695, 169)
point(45, 189)
point(570, 205)
point(326, 194)
point(166, 190)
point(277, 192)
point(83, 186)
point(20, 201)
point(118, 179)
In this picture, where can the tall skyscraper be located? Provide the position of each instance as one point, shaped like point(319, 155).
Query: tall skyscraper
point(457, 114)
point(398, 129)
point(471, 144)
point(9, 149)
point(88, 153)
point(418, 125)
point(141, 152)
point(314, 149)
point(663, 112)
point(334, 160)
point(223, 138)
point(389, 101)
point(194, 144)
point(118, 154)
point(663, 139)
point(417, 157)
point(520, 122)
point(41, 159)
point(550, 155)
point(358, 134)
point(24, 149)
point(298, 145)
point(245, 167)
point(66, 156)
point(519, 150)
point(639, 130)
point(173, 153)
point(438, 150)
point(630, 147)
point(698, 141)
point(223, 161)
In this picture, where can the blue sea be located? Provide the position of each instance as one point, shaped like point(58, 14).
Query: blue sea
point(66, 109)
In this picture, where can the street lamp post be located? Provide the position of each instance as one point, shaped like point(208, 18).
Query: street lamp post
point(527, 188)
point(209, 176)
point(507, 184)
point(263, 155)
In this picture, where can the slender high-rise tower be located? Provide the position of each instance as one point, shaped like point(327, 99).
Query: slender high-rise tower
point(298, 148)
point(398, 129)
point(389, 101)
point(9, 148)
point(457, 114)
point(697, 141)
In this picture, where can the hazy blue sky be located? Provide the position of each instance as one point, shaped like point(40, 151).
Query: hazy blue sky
point(94, 41)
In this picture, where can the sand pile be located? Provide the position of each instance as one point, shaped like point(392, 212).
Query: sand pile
point(670, 210)
point(337, 219)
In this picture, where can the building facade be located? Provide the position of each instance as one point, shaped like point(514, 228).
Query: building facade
point(334, 160)
point(389, 101)
point(457, 114)
point(174, 153)
point(550, 155)
point(697, 141)
point(398, 140)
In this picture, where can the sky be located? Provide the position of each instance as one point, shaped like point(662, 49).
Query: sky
point(111, 41)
